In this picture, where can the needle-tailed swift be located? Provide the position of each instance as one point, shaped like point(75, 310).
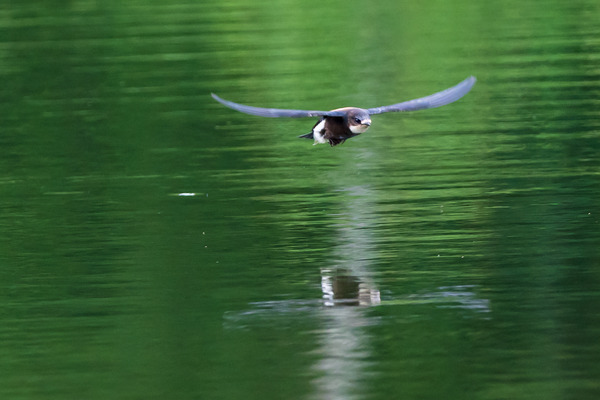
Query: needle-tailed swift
point(336, 126)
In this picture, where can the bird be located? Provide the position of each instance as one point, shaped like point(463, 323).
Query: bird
point(336, 126)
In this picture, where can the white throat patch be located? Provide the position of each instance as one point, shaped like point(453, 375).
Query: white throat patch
point(358, 129)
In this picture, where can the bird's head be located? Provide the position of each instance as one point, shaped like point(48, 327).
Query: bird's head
point(359, 120)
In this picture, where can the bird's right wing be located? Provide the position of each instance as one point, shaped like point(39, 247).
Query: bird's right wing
point(273, 112)
point(435, 100)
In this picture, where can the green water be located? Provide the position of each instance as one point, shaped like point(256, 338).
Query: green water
point(156, 245)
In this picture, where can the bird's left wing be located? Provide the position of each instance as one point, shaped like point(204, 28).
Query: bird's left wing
point(273, 112)
point(435, 100)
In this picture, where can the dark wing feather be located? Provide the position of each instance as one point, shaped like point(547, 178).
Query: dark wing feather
point(435, 100)
point(272, 112)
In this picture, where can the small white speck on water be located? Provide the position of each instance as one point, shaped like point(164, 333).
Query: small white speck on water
point(186, 194)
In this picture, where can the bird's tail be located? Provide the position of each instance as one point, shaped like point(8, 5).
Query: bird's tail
point(307, 136)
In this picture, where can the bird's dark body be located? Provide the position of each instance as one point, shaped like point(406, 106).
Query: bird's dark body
point(337, 126)
point(334, 130)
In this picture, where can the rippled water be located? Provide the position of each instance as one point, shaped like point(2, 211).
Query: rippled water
point(158, 245)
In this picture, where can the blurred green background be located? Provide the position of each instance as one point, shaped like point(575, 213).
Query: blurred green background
point(156, 245)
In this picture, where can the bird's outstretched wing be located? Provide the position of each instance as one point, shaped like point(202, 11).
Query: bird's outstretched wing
point(274, 112)
point(435, 100)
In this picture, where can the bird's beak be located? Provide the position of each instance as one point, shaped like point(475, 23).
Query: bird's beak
point(366, 122)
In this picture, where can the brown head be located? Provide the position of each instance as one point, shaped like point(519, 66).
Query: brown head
point(358, 119)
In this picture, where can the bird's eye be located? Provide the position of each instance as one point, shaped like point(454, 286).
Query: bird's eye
point(357, 120)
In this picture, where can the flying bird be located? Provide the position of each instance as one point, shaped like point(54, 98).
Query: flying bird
point(336, 126)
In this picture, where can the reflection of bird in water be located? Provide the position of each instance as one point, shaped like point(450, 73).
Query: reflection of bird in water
point(336, 126)
point(341, 288)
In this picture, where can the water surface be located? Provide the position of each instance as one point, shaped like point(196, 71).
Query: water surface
point(158, 245)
